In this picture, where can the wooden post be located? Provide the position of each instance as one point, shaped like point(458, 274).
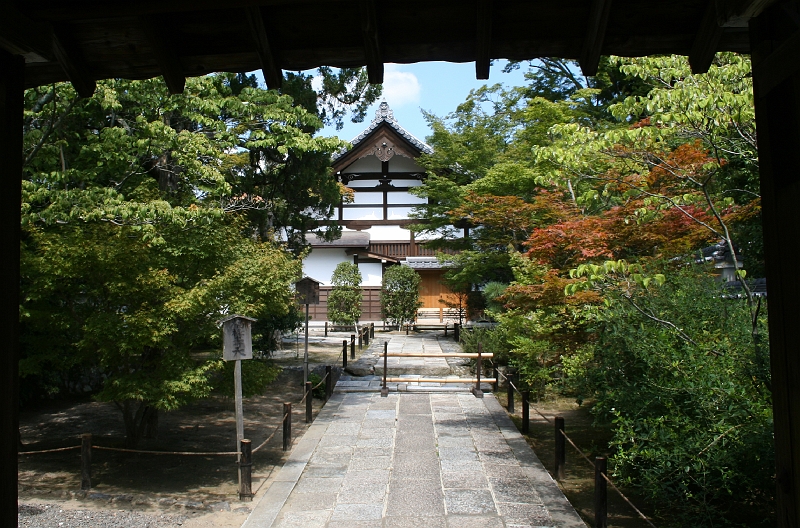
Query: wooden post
point(510, 391)
point(477, 390)
point(385, 389)
point(600, 493)
point(344, 358)
point(456, 332)
point(287, 426)
point(366, 336)
point(305, 350)
point(372, 330)
point(776, 85)
point(360, 338)
point(326, 328)
point(352, 346)
point(11, 112)
point(309, 402)
point(526, 412)
point(445, 329)
point(344, 350)
point(328, 382)
point(237, 388)
point(86, 461)
point(246, 470)
point(496, 378)
point(561, 449)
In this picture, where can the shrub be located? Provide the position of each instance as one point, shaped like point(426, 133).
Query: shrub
point(344, 301)
point(400, 294)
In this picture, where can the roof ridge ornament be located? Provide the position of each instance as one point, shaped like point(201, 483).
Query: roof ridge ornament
point(383, 113)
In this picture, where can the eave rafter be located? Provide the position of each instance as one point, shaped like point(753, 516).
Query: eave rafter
point(718, 15)
point(168, 60)
point(273, 75)
point(595, 34)
point(737, 13)
point(372, 43)
point(37, 42)
point(706, 40)
point(778, 66)
point(483, 39)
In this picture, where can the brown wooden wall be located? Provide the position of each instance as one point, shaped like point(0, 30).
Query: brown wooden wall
point(370, 304)
point(431, 290)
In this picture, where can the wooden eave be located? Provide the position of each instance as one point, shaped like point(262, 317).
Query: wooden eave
point(369, 254)
point(86, 40)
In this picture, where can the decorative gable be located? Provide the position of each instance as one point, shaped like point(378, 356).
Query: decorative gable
point(384, 138)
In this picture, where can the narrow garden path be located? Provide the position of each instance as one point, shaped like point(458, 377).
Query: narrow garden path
point(426, 455)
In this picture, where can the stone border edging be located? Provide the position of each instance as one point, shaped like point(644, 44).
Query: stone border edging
point(267, 508)
point(560, 509)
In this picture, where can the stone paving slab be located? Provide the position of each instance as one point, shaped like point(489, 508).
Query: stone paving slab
point(433, 460)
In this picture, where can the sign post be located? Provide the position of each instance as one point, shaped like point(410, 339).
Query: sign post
point(237, 344)
point(307, 293)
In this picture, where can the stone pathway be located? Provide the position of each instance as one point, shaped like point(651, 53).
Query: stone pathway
point(366, 374)
point(432, 459)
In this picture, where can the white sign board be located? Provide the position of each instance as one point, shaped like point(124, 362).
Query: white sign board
point(236, 338)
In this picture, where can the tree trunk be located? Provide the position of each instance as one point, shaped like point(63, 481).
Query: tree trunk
point(141, 421)
point(151, 422)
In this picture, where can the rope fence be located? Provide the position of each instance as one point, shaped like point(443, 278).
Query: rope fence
point(180, 453)
point(243, 455)
point(598, 465)
point(39, 452)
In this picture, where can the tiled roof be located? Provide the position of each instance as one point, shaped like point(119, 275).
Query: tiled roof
point(384, 114)
point(424, 263)
point(348, 239)
point(734, 289)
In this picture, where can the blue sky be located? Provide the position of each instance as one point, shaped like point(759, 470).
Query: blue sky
point(436, 87)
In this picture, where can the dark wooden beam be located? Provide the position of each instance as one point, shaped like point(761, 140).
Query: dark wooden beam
point(273, 75)
point(372, 43)
point(12, 71)
point(73, 66)
point(37, 42)
point(483, 39)
point(778, 122)
point(169, 62)
point(706, 40)
point(779, 65)
point(60, 11)
point(595, 33)
point(19, 35)
point(737, 13)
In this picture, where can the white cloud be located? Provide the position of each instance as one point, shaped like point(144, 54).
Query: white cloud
point(399, 87)
point(316, 83)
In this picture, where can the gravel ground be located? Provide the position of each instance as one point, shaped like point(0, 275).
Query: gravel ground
point(53, 516)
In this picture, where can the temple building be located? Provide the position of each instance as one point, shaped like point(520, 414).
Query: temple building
point(380, 167)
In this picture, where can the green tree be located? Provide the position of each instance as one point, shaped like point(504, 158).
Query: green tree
point(140, 230)
point(675, 368)
point(344, 300)
point(647, 163)
point(400, 295)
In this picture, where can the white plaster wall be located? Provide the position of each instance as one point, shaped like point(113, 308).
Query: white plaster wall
point(403, 198)
point(366, 164)
point(371, 273)
point(321, 262)
point(378, 233)
point(403, 164)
